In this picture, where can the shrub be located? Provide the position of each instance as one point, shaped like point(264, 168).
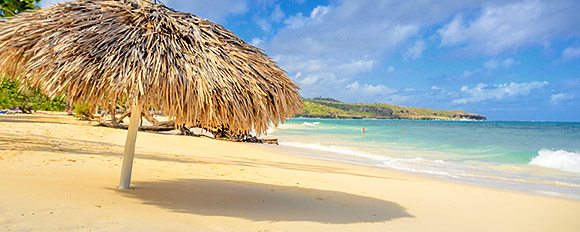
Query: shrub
point(27, 99)
point(82, 111)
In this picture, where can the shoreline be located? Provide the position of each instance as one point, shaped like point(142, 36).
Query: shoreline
point(496, 183)
point(59, 173)
point(519, 167)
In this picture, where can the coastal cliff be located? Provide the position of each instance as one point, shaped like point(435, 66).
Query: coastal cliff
point(332, 108)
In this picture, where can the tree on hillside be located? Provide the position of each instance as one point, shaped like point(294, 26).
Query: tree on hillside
point(9, 8)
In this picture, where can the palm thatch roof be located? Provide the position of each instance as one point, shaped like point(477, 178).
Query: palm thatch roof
point(111, 51)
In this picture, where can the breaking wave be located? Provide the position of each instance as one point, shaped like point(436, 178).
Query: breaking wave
point(560, 159)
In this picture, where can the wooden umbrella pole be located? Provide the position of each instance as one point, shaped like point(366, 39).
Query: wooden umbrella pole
point(130, 146)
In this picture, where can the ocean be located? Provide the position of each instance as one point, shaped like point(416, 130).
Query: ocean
point(538, 157)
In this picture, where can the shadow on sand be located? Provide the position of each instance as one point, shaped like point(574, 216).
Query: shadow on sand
point(263, 202)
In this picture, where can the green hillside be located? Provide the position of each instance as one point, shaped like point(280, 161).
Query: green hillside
point(332, 108)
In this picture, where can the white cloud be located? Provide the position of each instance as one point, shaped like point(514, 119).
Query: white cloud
point(400, 99)
point(366, 88)
point(367, 92)
point(319, 83)
point(468, 73)
point(420, 97)
point(454, 32)
point(557, 98)
point(482, 92)
point(571, 53)
point(265, 22)
point(506, 63)
point(347, 30)
point(278, 14)
point(345, 68)
point(356, 66)
point(257, 42)
point(337, 38)
point(416, 51)
point(499, 28)
point(299, 20)
point(491, 64)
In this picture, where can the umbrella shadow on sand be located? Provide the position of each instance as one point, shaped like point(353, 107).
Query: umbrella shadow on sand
point(264, 202)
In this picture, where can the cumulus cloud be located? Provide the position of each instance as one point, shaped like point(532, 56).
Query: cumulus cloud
point(299, 20)
point(265, 22)
point(468, 73)
point(369, 89)
point(483, 92)
point(506, 63)
point(453, 32)
point(429, 98)
point(345, 68)
point(319, 84)
point(330, 37)
point(416, 51)
point(491, 64)
point(347, 39)
point(366, 92)
point(571, 53)
point(557, 98)
point(499, 28)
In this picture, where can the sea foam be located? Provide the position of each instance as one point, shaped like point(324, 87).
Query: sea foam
point(416, 164)
point(310, 124)
point(329, 148)
point(561, 160)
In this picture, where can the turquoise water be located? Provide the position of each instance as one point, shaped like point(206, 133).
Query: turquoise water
point(542, 157)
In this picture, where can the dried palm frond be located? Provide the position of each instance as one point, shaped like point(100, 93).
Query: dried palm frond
point(190, 68)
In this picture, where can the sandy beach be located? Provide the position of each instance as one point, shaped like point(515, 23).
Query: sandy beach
point(60, 174)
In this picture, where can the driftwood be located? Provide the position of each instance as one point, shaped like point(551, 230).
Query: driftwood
point(141, 128)
point(222, 133)
point(157, 125)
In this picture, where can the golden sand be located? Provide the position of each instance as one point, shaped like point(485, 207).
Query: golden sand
point(59, 174)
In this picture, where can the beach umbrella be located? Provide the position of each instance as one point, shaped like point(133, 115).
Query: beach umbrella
point(147, 56)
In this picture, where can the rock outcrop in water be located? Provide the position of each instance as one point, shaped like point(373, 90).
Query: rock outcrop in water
point(332, 108)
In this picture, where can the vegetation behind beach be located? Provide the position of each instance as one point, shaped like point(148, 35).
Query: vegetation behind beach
point(331, 108)
point(27, 99)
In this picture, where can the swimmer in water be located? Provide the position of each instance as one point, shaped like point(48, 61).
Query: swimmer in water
point(363, 130)
point(404, 131)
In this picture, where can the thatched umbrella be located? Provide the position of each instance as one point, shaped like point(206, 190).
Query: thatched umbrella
point(149, 56)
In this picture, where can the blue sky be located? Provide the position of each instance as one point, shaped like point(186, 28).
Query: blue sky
point(508, 60)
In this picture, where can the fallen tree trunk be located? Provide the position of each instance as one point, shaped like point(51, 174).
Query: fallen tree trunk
point(141, 128)
point(222, 133)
